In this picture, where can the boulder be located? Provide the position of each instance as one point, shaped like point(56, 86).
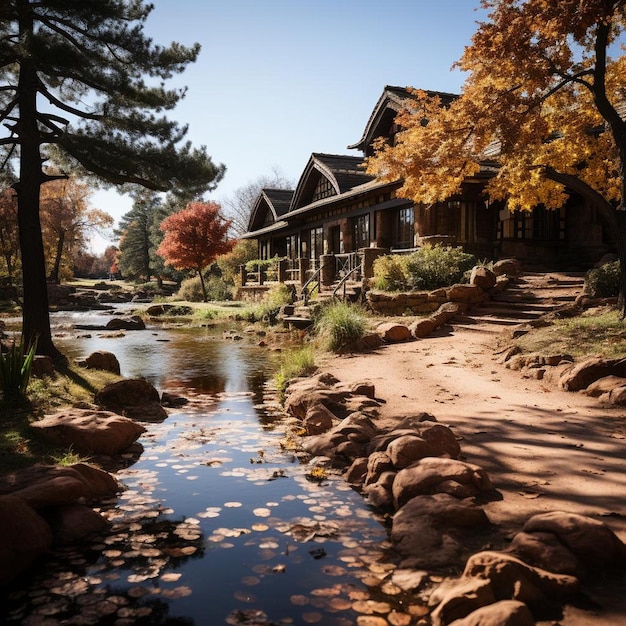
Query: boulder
point(356, 473)
point(366, 389)
point(24, 537)
point(377, 464)
point(446, 312)
point(318, 419)
point(464, 293)
point(405, 450)
point(126, 323)
point(510, 267)
point(135, 398)
point(590, 540)
point(379, 494)
point(422, 327)
point(441, 439)
point(460, 600)
point(157, 310)
point(74, 523)
point(513, 579)
point(173, 400)
point(89, 431)
point(392, 332)
point(503, 613)
point(544, 550)
point(437, 531)
point(583, 374)
point(95, 482)
point(103, 360)
point(300, 400)
point(439, 475)
point(482, 277)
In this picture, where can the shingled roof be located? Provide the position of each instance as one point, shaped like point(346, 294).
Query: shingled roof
point(343, 172)
point(390, 103)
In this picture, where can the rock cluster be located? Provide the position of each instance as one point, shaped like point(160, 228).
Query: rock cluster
point(413, 472)
point(596, 376)
point(44, 506)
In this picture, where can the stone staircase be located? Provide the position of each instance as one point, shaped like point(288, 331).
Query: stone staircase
point(527, 298)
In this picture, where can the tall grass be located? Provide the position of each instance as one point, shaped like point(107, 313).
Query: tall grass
point(15, 367)
point(340, 324)
point(295, 363)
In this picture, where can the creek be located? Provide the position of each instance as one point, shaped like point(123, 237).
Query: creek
point(220, 521)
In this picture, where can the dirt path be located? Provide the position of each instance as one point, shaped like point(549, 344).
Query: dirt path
point(545, 449)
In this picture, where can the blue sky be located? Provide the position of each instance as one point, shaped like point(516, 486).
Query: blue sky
point(277, 80)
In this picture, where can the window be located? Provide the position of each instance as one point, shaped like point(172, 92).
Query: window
point(316, 239)
point(323, 189)
point(404, 227)
point(292, 247)
point(361, 232)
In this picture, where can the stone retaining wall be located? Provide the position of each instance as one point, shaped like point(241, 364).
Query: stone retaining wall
point(425, 302)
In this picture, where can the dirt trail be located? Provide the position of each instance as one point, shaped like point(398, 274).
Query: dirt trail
point(545, 449)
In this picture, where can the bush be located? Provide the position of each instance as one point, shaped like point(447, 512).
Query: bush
point(217, 289)
point(603, 281)
point(15, 366)
point(390, 273)
point(340, 324)
point(267, 309)
point(245, 250)
point(430, 267)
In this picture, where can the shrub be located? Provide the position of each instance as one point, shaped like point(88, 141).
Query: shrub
point(432, 267)
point(15, 366)
point(340, 324)
point(603, 281)
point(245, 250)
point(217, 289)
point(389, 273)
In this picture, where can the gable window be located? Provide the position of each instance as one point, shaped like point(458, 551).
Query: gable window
point(323, 189)
point(361, 232)
point(404, 228)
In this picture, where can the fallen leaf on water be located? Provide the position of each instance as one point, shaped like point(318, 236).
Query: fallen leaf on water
point(312, 618)
point(299, 600)
point(171, 577)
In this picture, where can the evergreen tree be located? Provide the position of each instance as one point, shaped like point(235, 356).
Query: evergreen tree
point(72, 75)
point(135, 227)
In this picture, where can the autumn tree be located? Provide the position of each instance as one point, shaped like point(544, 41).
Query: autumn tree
point(194, 237)
point(73, 76)
point(543, 98)
point(9, 237)
point(67, 220)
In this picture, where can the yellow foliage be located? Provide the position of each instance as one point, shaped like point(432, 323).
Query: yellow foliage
point(541, 99)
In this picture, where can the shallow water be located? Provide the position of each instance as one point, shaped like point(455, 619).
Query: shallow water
point(219, 522)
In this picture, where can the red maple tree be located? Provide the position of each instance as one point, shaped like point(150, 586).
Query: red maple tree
point(194, 237)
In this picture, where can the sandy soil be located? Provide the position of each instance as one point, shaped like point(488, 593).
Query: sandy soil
point(545, 449)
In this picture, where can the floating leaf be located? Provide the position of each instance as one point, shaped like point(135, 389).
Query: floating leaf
point(312, 618)
point(232, 505)
point(177, 592)
point(262, 512)
point(171, 577)
point(299, 600)
point(398, 619)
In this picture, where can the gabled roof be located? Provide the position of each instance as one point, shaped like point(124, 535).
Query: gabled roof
point(341, 171)
point(274, 201)
point(388, 106)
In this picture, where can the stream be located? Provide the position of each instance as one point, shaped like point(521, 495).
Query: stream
point(220, 522)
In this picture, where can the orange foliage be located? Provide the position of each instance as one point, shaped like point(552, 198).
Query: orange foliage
point(195, 236)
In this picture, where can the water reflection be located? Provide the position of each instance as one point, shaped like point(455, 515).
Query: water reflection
point(218, 524)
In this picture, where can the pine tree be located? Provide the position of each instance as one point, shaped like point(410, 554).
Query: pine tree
point(87, 60)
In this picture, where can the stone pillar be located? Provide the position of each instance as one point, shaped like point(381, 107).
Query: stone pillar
point(303, 268)
point(243, 274)
point(369, 256)
point(327, 273)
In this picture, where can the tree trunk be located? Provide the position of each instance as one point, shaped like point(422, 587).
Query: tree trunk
point(54, 274)
point(35, 316)
point(620, 242)
point(204, 294)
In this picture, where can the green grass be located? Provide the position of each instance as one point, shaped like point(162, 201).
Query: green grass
point(597, 332)
point(295, 363)
point(340, 324)
point(21, 446)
